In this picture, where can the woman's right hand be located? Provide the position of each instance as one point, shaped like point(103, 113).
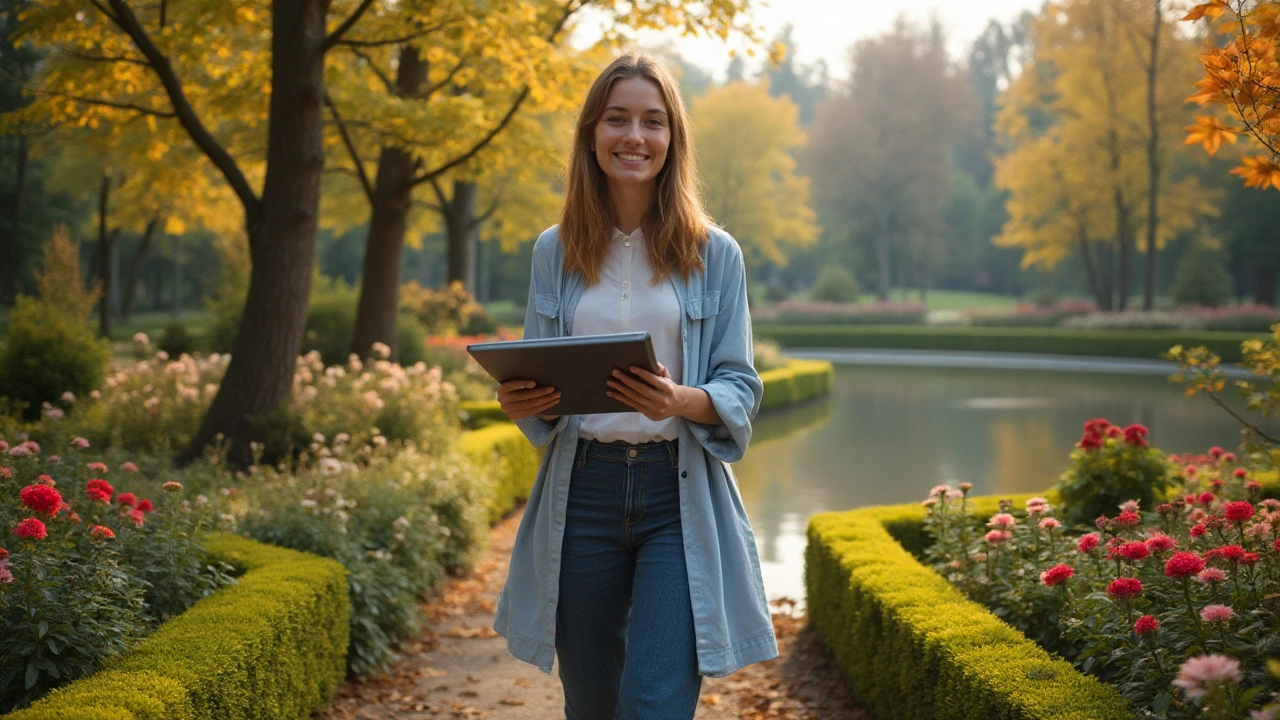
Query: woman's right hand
point(521, 398)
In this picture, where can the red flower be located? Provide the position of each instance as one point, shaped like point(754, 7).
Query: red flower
point(1276, 546)
point(1134, 551)
point(4, 554)
point(1087, 543)
point(1216, 452)
point(1253, 486)
point(1190, 471)
point(127, 499)
point(101, 532)
point(1239, 473)
point(1125, 588)
point(1146, 625)
point(137, 517)
point(1216, 484)
point(1238, 511)
point(100, 490)
point(145, 505)
point(41, 498)
point(1090, 442)
point(1183, 564)
point(1249, 558)
point(30, 529)
point(1056, 574)
point(1129, 518)
point(1205, 498)
point(1160, 543)
point(1114, 432)
point(1230, 553)
point(1136, 435)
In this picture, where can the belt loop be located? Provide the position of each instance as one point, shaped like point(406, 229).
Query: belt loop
point(673, 452)
point(583, 447)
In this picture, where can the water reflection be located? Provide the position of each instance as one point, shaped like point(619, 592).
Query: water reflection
point(887, 434)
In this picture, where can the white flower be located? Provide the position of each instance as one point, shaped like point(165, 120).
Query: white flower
point(68, 397)
point(330, 466)
point(381, 350)
point(141, 338)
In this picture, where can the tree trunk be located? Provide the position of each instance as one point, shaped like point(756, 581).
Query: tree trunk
point(135, 267)
point(105, 237)
point(882, 242)
point(1264, 284)
point(460, 220)
point(389, 216)
point(11, 244)
point(1124, 248)
point(1153, 166)
point(175, 307)
point(1100, 297)
point(282, 236)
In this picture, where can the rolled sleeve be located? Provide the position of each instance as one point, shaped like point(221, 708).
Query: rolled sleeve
point(732, 382)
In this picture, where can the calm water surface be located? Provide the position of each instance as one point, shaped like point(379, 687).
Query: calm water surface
point(887, 435)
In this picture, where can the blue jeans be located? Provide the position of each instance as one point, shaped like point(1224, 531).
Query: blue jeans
point(624, 623)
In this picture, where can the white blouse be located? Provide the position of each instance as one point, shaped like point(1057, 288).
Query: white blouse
point(625, 300)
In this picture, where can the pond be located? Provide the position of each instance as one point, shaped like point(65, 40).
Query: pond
point(887, 434)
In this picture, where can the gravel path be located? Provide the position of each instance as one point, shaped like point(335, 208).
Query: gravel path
point(459, 668)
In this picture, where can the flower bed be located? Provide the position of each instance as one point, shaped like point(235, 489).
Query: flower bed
point(272, 646)
point(1057, 341)
point(912, 646)
point(812, 313)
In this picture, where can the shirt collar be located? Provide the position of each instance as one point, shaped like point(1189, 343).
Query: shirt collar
point(634, 236)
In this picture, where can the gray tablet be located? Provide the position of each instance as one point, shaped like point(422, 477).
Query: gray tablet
point(577, 366)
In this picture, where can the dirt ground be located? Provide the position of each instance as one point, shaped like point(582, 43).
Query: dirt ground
point(459, 668)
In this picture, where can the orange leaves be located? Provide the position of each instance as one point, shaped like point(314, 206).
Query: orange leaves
point(1260, 172)
point(1212, 10)
point(1209, 132)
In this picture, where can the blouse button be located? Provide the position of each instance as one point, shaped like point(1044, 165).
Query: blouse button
point(626, 243)
point(624, 296)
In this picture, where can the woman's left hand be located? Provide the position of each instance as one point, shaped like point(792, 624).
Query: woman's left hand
point(657, 397)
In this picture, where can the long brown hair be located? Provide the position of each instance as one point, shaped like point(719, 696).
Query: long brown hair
point(675, 226)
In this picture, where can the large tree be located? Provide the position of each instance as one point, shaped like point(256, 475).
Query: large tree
point(879, 153)
point(1077, 127)
point(746, 142)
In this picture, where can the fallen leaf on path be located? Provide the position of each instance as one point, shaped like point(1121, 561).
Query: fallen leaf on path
point(477, 632)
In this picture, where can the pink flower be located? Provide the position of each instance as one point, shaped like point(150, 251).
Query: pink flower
point(1238, 511)
point(138, 517)
point(1239, 473)
point(1211, 575)
point(1216, 452)
point(1199, 674)
point(1002, 521)
point(1216, 613)
point(128, 466)
point(31, 529)
point(1146, 625)
point(1087, 543)
point(1125, 588)
point(1183, 564)
point(1129, 518)
point(80, 443)
point(1056, 574)
point(1161, 543)
point(171, 486)
point(1197, 531)
point(1205, 498)
point(6, 577)
point(98, 467)
point(1190, 471)
point(1134, 551)
point(997, 537)
point(1049, 523)
point(1037, 505)
point(940, 490)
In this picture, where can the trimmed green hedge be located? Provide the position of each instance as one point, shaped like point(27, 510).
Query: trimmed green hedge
point(509, 457)
point(482, 413)
point(273, 646)
point(1054, 341)
point(912, 646)
point(797, 380)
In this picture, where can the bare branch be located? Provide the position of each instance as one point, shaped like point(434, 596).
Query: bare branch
point(397, 40)
point(86, 57)
point(444, 201)
point(200, 135)
point(346, 25)
point(1243, 421)
point(351, 148)
point(386, 81)
point(448, 78)
point(480, 145)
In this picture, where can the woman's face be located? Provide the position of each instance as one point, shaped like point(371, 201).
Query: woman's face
point(632, 135)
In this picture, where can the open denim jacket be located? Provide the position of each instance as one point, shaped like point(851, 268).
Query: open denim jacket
point(730, 612)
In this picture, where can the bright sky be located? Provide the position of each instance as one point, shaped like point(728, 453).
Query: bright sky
point(826, 29)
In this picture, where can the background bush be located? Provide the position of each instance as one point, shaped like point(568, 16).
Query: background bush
point(1201, 277)
point(834, 284)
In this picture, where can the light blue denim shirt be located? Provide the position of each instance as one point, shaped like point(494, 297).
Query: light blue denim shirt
point(730, 612)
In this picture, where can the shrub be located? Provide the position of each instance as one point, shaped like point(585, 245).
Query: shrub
point(271, 646)
point(796, 381)
point(398, 526)
point(1111, 466)
point(451, 310)
point(767, 355)
point(1201, 277)
point(884, 313)
point(776, 293)
point(911, 646)
point(1141, 597)
point(89, 571)
point(834, 284)
point(177, 341)
point(508, 459)
point(50, 348)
